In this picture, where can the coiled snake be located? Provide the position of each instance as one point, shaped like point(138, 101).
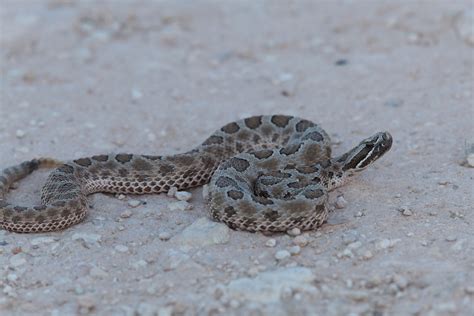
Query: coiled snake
point(266, 173)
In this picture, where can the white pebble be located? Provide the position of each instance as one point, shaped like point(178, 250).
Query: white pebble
point(341, 202)
point(97, 272)
point(17, 260)
point(88, 238)
point(406, 211)
point(451, 238)
point(400, 281)
point(367, 255)
point(294, 232)
point(164, 236)
point(183, 195)
point(282, 254)
point(359, 214)
point(271, 243)
point(134, 203)
point(41, 240)
point(301, 240)
point(121, 196)
point(180, 206)
point(12, 277)
point(172, 191)
point(387, 243)
point(205, 192)
point(121, 248)
point(126, 214)
point(136, 94)
point(20, 133)
point(294, 250)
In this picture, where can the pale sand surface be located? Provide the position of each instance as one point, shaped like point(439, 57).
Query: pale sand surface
point(159, 76)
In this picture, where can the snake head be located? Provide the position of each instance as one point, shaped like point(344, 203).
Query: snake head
point(368, 150)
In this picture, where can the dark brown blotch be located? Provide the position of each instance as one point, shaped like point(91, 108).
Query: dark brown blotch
point(213, 140)
point(253, 122)
point(263, 154)
point(66, 169)
point(271, 215)
point(141, 165)
point(153, 158)
point(83, 162)
point(303, 125)
point(307, 169)
point(123, 158)
point(313, 193)
point(165, 169)
point(316, 136)
point(234, 194)
point(223, 182)
point(123, 172)
point(231, 128)
point(262, 200)
point(290, 149)
point(230, 211)
point(239, 164)
point(281, 120)
point(100, 158)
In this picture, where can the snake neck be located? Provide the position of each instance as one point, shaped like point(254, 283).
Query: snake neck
point(335, 172)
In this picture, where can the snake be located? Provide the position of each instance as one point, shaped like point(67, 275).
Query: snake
point(266, 173)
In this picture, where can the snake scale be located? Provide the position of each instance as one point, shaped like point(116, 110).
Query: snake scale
point(266, 173)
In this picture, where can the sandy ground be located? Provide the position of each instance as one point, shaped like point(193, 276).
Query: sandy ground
point(159, 76)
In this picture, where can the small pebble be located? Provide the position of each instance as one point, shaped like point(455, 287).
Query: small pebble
point(12, 277)
point(294, 232)
point(96, 272)
point(341, 62)
point(172, 191)
point(183, 195)
point(126, 214)
point(134, 203)
point(121, 196)
point(469, 289)
point(301, 240)
point(164, 236)
point(400, 281)
point(121, 248)
point(294, 250)
point(41, 240)
point(387, 243)
point(136, 94)
point(271, 243)
point(367, 255)
point(451, 238)
point(394, 103)
point(20, 133)
point(406, 211)
point(180, 206)
point(17, 260)
point(340, 202)
point(359, 214)
point(282, 254)
point(350, 236)
point(205, 192)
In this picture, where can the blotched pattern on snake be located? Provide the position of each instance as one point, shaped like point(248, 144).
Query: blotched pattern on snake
point(266, 173)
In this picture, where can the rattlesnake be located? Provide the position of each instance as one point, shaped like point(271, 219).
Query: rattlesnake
point(266, 173)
